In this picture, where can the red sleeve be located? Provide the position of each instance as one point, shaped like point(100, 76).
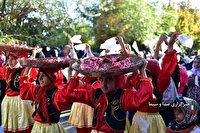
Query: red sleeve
point(127, 84)
point(168, 66)
point(96, 84)
point(60, 99)
point(87, 79)
point(133, 81)
point(2, 72)
point(73, 92)
point(59, 79)
point(27, 89)
point(33, 74)
point(183, 80)
point(131, 100)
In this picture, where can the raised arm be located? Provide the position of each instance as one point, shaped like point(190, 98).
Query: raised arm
point(72, 50)
point(73, 92)
point(120, 40)
point(27, 89)
point(163, 38)
point(169, 63)
point(131, 99)
point(89, 51)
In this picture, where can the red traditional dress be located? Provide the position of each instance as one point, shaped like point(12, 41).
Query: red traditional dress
point(81, 114)
point(147, 117)
point(110, 109)
point(16, 113)
point(168, 66)
point(49, 103)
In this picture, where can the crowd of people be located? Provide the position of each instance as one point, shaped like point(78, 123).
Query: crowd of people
point(162, 96)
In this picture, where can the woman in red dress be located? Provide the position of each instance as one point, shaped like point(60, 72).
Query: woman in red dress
point(16, 113)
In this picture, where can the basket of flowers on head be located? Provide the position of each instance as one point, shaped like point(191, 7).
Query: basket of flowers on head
point(50, 62)
point(112, 65)
point(16, 48)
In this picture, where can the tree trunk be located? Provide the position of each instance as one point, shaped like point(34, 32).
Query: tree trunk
point(3, 7)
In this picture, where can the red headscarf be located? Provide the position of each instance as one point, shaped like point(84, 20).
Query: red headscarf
point(50, 72)
point(119, 81)
point(153, 67)
point(55, 75)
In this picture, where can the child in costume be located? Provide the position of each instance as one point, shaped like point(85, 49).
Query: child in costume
point(82, 111)
point(169, 78)
point(48, 99)
point(81, 114)
point(110, 103)
point(16, 113)
point(147, 118)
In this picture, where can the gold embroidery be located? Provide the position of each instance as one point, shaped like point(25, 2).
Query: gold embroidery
point(48, 99)
point(114, 101)
point(16, 80)
point(114, 107)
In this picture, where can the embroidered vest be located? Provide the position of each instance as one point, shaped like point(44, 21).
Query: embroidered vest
point(14, 83)
point(114, 116)
point(54, 114)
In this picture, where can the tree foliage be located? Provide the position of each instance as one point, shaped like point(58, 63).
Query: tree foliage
point(189, 22)
point(167, 20)
point(36, 22)
point(132, 19)
point(42, 22)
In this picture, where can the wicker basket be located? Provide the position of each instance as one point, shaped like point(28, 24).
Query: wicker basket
point(55, 62)
point(16, 48)
point(136, 62)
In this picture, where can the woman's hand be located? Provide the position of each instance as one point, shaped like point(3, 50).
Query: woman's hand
point(71, 44)
point(88, 50)
point(119, 40)
point(162, 38)
point(143, 69)
point(35, 51)
point(26, 71)
point(87, 47)
point(172, 41)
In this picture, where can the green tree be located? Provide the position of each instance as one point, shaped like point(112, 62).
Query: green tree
point(132, 19)
point(167, 20)
point(189, 22)
point(36, 22)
